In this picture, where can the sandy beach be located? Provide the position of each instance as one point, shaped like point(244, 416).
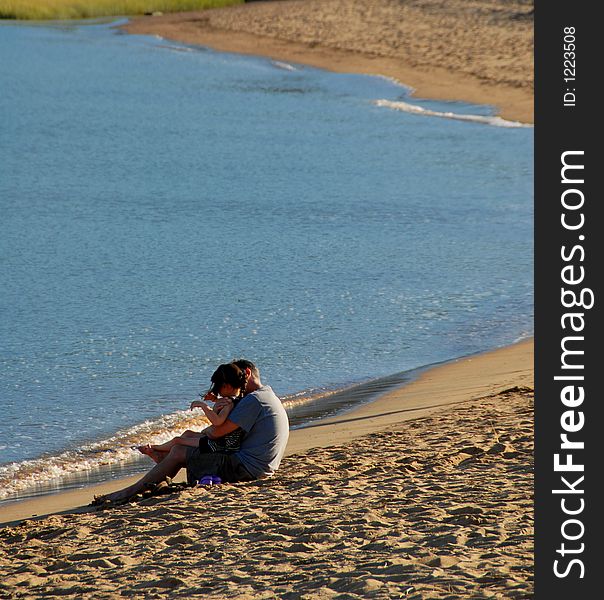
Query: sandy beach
point(425, 493)
point(477, 51)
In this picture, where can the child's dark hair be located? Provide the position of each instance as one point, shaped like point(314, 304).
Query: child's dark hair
point(231, 374)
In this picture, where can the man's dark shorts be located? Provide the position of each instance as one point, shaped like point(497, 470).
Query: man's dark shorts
point(226, 466)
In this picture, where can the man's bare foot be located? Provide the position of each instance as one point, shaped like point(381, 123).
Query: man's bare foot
point(114, 497)
point(155, 455)
point(124, 494)
point(121, 494)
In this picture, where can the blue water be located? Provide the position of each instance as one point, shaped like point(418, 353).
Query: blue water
point(165, 208)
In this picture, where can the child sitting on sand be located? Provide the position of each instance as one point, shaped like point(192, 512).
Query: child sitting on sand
point(231, 441)
point(228, 381)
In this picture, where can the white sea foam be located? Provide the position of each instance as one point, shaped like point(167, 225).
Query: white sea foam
point(418, 110)
point(283, 65)
point(173, 48)
point(18, 478)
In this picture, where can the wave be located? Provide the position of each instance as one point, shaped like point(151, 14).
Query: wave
point(283, 65)
point(18, 479)
point(418, 110)
point(101, 460)
point(173, 48)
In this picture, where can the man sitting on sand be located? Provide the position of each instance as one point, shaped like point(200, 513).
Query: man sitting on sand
point(259, 413)
point(228, 388)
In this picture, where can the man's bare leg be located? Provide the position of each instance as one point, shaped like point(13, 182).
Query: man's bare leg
point(169, 467)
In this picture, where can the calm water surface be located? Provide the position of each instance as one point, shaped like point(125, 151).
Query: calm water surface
point(165, 208)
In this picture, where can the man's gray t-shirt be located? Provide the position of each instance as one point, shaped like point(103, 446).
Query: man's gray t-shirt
point(262, 416)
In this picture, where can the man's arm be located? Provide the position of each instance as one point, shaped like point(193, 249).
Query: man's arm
point(217, 431)
point(244, 415)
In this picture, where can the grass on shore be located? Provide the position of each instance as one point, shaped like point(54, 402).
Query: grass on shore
point(83, 9)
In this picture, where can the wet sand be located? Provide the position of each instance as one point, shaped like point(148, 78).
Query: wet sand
point(425, 493)
point(477, 51)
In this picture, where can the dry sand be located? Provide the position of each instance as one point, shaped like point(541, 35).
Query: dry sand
point(473, 50)
point(435, 502)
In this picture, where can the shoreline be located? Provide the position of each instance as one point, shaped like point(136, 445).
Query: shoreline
point(474, 377)
point(425, 493)
point(328, 403)
point(251, 29)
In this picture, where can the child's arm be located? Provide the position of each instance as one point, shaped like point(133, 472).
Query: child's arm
point(217, 417)
point(210, 397)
